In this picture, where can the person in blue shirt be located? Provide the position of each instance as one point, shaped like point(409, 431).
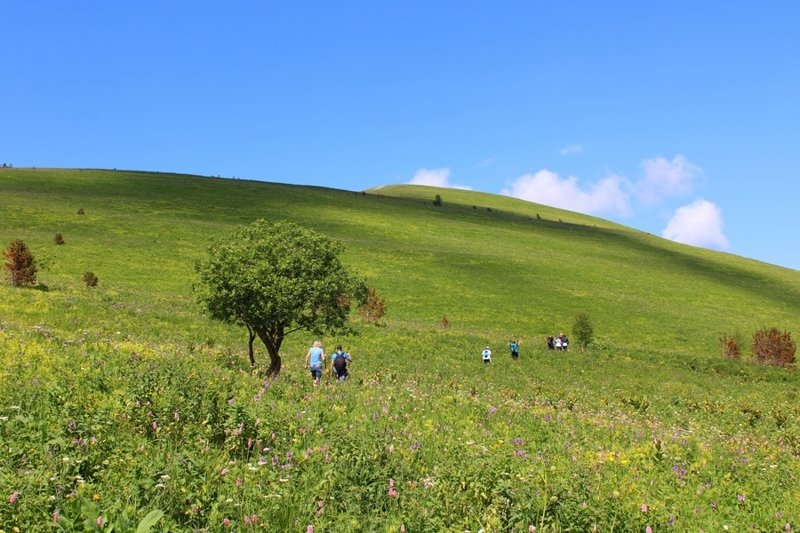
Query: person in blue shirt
point(314, 360)
point(513, 345)
point(339, 361)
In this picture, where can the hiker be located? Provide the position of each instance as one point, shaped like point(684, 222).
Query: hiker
point(564, 342)
point(314, 360)
point(487, 355)
point(513, 345)
point(551, 345)
point(339, 361)
point(557, 342)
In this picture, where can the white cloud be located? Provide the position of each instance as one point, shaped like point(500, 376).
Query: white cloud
point(436, 177)
point(571, 149)
point(666, 179)
point(698, 224)
point(545, 187)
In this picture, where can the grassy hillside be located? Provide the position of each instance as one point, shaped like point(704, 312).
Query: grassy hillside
point(650, 416)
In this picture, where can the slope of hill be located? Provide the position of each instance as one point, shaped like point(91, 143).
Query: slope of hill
point(650, 396)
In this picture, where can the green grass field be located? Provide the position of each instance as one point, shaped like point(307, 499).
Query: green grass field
point(124, 401)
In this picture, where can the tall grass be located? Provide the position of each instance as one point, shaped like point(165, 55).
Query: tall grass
point(121, 400)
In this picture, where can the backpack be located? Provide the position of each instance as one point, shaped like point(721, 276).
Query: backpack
point(339, 362)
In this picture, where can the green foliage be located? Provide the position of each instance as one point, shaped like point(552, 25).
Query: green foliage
point(276, 279)
point(582, 330)
point(437, 200)
point(20, 264)
point(58, 238)
point(126, 399)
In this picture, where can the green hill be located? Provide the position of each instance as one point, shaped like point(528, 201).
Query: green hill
point(649, 415)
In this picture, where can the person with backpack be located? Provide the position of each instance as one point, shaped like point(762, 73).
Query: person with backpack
point(486, 354)
point(314, 360)
point(339, 361)
point(513, 345)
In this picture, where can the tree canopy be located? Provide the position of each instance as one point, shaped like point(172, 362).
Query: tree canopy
point(276, 279)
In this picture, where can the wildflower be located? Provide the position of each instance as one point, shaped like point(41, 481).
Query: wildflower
point(262, 460)
point(740, 497)
point(402, 528)
point(100, 521)
point(239, 482)
point(309, 529)
point(246, 520)
point(224, 472)
point(254, 519)
point(520, 453)
point(392, 491)
point(56, 517)
point(531, 529)
point(644, 508)
point(274, 461)
point(492, 410)
point(13, 498)
point(226, 522)
point(788, 528)
point(648, 529)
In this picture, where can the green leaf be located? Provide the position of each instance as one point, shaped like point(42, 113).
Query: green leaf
point(149, 521)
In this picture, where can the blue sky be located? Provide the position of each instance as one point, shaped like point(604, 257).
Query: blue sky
point(679, 118)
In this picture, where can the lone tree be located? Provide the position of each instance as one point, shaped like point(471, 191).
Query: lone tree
point(582, 330)
point(20, 264)
point(276, 279)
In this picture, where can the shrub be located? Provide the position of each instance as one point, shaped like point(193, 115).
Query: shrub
point(80, 211)
point(374, 308)
point(437, 201)
point(730, 347)
point(773, 347)
point(445, 322)
point(90, 279)
point(582, 330)
point(58, 238)
point(20, 264)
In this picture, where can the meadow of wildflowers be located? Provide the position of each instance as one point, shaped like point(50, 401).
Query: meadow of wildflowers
point(122, 408)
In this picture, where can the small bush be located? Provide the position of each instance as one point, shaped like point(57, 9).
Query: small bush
point(90, 279)
point(773, 347)
point(445, 323)
point(730, 347)
point(437, 201)
point(58, 238)
point(582, 330)
point(20, 264)
point(374, 308)
point(80, 211)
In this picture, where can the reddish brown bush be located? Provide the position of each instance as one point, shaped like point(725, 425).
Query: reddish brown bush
point(445, 322)
point(20, 264)
point(58, 238)
point(374, 308)
point(730, 347)
point(773, 347)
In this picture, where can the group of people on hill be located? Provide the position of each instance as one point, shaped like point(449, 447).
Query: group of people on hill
point(315, 358)
point(315, 361)
point(560, 343)
point(513, 347)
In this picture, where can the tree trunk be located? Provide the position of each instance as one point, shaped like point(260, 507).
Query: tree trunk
point(252, 336)
point(272, 340)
